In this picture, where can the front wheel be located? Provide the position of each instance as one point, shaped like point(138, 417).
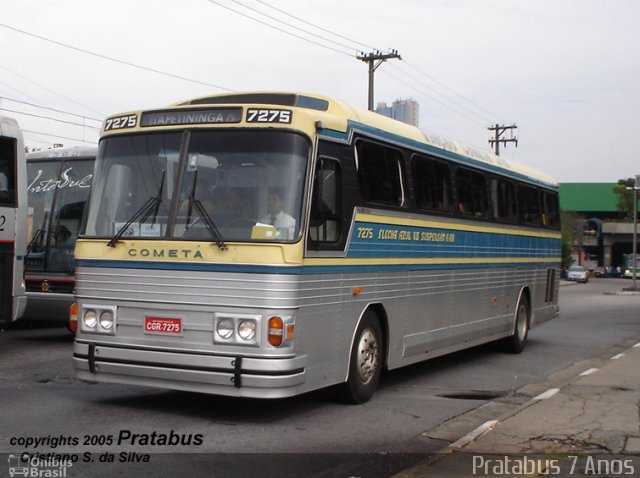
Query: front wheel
point(365, 362)
point(516, 343)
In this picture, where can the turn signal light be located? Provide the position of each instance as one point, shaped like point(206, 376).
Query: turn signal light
point(276, 331)
point(73, 317)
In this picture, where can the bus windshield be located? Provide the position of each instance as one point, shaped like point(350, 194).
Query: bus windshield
point(200, 185)
point(57, 191)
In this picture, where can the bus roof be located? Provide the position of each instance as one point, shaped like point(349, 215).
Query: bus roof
point(69, 152)
point(365, 118)
point(335, 115)
point(9, 127)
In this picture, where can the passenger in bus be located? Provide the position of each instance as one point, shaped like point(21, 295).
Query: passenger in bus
point(464, 208)
point(4, 182)
point(276, 215)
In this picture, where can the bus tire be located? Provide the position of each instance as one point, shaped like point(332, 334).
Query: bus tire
point(365, 361)
point(516, 343)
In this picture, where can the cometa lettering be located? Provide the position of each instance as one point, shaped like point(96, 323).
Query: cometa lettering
point(166, 253)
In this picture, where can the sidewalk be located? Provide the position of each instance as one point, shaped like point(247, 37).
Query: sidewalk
point(594, 413)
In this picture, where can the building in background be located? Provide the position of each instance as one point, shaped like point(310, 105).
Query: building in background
point(601, 236)
point(407, 111)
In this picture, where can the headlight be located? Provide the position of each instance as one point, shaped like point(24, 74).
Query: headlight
point(236, 329)
point(106, 319)
point(225, 329)
point(247, 330)
point(90, 319)
point(98, 319)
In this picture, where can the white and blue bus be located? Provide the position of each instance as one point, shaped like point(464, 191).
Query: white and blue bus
point(268, 244)
point(13, 220)
point(58, 185)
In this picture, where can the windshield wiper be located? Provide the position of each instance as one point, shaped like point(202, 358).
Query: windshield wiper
point(208, 222)
point(38, 237)
point(204, 215)
point(35, 245)
point(152, 205)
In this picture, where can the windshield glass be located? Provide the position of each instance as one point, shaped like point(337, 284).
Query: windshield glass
point(203, 185)
point(57, 193)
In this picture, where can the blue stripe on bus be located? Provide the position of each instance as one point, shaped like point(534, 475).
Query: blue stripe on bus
point(371, 240)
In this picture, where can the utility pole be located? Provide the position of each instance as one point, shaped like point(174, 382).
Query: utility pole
point(634, 262)
point(499, 130)
point(372, 58)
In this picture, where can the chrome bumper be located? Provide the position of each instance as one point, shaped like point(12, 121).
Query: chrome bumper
point(189, 371)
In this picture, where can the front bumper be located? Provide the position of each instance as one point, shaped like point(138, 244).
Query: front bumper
point(203, 372)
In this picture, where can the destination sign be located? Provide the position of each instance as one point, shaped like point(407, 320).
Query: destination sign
point(187, 117)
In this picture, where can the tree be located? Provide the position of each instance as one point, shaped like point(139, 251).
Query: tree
point(568, 223)
point(625, 197)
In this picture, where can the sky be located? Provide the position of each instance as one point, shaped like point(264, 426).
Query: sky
point(566, 72)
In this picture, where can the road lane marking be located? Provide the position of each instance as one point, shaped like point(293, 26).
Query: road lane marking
point(589, 372)
point(469, 437)
point(616, 357)
point(548, 394)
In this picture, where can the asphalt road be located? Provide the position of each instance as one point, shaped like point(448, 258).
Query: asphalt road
point(310, 435)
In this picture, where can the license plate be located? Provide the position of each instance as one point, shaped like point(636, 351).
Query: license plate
point(162, 325)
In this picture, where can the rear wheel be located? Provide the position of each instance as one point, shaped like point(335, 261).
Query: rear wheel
point(365, 361)
point(516, 343)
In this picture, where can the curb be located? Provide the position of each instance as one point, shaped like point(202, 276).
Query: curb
point(458, 446)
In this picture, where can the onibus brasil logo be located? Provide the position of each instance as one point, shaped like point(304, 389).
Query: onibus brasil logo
point(37, 466)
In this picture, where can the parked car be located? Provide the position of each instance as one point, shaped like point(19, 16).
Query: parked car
point(578, 274)
point(601, 272)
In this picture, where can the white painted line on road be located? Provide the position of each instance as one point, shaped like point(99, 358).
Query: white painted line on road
point(548, 394)
point(469, 437)
point(636, 345)
point(616, 357)
point(589, 372)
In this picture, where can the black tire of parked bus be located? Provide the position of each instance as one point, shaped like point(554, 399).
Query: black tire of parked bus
point(516, 342)
point(365, 362)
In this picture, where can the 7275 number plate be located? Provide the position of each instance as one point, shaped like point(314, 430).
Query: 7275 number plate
point(162, 325)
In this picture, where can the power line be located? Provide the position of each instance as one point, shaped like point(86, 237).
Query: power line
point(456, 104)
point(58, 136)
point(368, 47)
point(433, 98)
point(48, 118)
point(45, 88)
point(293, 26)
point(451, 90)
point(361, 55)
point(105, 57)
point(50, 109)
point(308, 40)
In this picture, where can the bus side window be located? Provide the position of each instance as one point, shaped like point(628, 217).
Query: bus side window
point(471, 192)
point(324, 225)
point(432, 182)
point(529, 206)
point(503, 200)
point(8, 149)
point(380, 173)
point(551, 210)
